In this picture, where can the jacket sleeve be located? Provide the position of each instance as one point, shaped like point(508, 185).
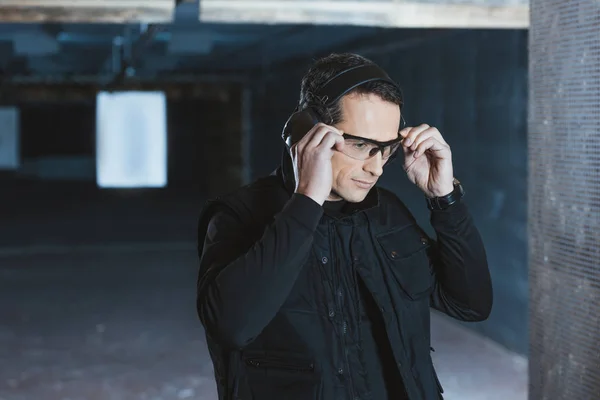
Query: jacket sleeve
point(242, 284)
point(462, 285)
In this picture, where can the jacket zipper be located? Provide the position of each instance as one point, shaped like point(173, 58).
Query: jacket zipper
point(270, 363)
point(335, 259)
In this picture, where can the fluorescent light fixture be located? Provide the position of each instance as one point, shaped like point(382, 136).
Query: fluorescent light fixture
point(9, 138)
point(131, 139)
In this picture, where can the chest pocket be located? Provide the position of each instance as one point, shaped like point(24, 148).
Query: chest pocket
point(405, 253)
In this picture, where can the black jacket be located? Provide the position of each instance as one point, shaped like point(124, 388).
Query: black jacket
point(278, 284)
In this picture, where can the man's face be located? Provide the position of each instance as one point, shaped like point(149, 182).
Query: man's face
point(370, 117)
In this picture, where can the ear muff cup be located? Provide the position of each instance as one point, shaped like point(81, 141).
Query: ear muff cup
point(298, 124)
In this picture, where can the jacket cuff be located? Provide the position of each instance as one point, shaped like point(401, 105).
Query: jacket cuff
point(450, 217)
point(304, 210)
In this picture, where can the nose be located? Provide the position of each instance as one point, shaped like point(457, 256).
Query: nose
point(374, 165)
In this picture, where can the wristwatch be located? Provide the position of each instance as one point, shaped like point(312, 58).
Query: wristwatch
point(443, 202)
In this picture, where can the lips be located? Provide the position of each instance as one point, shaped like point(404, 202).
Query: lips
point(363, 184)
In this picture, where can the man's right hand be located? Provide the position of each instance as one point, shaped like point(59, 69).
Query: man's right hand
point(311, 157)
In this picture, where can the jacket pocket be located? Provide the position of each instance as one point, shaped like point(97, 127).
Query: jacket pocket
point(279, 364)
point(282, 376)
point(405, 252)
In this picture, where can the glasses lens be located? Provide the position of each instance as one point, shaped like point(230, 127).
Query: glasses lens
point(362, 150)
point(359, 149)
point(390, 151)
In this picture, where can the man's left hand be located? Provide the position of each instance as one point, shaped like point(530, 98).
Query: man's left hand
point(428, 160)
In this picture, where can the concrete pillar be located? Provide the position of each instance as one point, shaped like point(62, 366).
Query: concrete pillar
point(564, 199)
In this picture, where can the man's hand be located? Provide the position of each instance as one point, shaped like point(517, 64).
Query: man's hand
point(428, 160)
point(311, 157)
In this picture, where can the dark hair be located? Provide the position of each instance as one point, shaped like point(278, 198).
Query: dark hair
point(326, 68)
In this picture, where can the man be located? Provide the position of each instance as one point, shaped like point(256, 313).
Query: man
point(315, 283)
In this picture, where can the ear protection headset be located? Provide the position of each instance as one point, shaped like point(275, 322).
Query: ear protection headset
point(302, 121)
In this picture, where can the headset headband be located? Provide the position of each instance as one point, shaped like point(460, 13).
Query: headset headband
point(345, 81)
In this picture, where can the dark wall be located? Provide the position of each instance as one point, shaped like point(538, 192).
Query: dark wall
point(472, 86)
point(205, 143)
point(50, 129)
point(58, 140)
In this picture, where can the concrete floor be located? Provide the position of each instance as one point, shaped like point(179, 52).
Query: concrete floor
point(95, 308)
point(472, 367)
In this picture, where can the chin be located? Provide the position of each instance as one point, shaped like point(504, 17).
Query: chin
point(354, 196)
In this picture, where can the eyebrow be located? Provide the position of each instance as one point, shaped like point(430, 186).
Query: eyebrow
point(389, 142)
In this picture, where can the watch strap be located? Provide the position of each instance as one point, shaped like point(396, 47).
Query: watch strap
point(443, 202)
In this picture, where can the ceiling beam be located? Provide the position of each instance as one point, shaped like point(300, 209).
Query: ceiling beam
point(91, 11)
point(493, 14)
point(12, 94)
